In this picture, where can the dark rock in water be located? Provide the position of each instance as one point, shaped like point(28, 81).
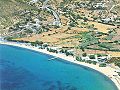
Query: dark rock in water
point(47, 83)
point(59, 85)
point(52, 87)
point(14, 77)
point(70, 88)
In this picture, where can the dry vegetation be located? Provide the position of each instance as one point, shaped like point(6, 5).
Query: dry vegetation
point(62, 36)
point(101, 27)
point(9, 13)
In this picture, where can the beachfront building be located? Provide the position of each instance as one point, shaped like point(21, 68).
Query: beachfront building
point(97, 58)
point(71, 51)
point(52, 48)
point(1, 39)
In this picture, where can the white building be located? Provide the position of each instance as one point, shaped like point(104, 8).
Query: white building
point(33, 1)
point(97, 59)
point(55, 48)
point(99, 5)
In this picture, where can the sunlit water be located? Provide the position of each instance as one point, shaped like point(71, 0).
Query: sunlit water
point(23, 69)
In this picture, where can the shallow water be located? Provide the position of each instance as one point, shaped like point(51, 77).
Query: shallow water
point(23, 69)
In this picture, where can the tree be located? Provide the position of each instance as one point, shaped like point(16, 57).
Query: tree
point(89, 61)
point(29, 31)
point(102, 65)
point(85, 19)
point(84, 54)
point(38, 42)
point(92, 56)
point(94, 62)
point(118, 64)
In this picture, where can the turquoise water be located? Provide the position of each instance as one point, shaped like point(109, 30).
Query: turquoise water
point(23, 69)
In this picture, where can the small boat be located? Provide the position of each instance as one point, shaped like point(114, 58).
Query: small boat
point(52, 58)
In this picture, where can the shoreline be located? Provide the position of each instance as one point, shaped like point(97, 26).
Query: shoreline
point(107, 71)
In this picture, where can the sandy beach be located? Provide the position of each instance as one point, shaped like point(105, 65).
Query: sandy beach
point(108, 71)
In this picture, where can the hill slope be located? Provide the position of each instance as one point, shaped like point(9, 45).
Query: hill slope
point(9, 12)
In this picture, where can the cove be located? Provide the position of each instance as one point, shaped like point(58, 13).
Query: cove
point(23, 69)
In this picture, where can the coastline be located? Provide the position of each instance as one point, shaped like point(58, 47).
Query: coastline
point(107, 71)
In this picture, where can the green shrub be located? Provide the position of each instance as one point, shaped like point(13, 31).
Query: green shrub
point(117, 64)
point(94, 62)
point(72, 24)
point(9, 38)
point(68, 53)
point(85, 19)
point(89, 61)
point(45, 45)
point(52, 50)
point(62, 51)
point(47, 49)
point(99, 55)
point(92, 56)
point(38, 42)
point(102, 65)
point(84, 54)
point(83, 60)
point(78, 58)
point(119, 73)
point(32, 44)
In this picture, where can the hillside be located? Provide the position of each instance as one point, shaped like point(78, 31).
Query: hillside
point(9, 13)
point(9, 9)
point(87, 24)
